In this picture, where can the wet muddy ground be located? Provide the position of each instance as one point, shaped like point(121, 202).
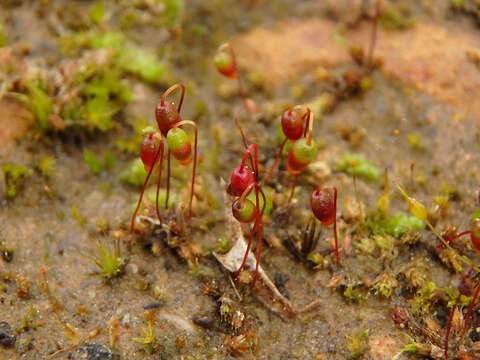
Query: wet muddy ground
point(171, 298)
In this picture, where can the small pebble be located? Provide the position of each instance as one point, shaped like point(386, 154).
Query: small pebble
point(7, 338)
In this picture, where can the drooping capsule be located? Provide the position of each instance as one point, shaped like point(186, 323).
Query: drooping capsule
point(167, 116)
point(225, 63)
point(179, 145)
point(300, 155)
point(323, 206)
point(292, 124)
point(240, 179)
point(244, 210)
point(149, 148)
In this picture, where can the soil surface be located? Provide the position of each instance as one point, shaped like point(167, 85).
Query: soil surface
point(410, 109)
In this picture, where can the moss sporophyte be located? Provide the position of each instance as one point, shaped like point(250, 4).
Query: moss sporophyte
point(171, 136)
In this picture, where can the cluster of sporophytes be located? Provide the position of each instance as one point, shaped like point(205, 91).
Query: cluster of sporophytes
point(297, 128)
point(174, 139)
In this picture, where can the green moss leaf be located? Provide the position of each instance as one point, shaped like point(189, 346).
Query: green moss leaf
point(142, 63)
point(46, 165)
point(135, 173)
point(92, 162)
point(173, 11)
point(104, 39)
point(3, 37)
point(14, 177)
point(395, 225)
point(97, 12)
point(362, 168)
point(39, 103)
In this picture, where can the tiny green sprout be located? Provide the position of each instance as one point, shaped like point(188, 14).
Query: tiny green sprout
point(385, 284)
point(357, 343)
point(148, 335)
point(400, 223)
point(395, 19)
point(172, 12)
point(354, 294)
point(442, 201)
point(135, 173)
point(383, 203)
point(151, 193)
point(450, 259)
point(365, 245)
point(223, 245)
point(108, 260)
point(458, 3)
point(316, 258)
point(362, 168)
point(14, 176)
point(39, 103)
point(99, 112)
point(414, 348)
point(142, 63)
point(414, 141)
point(103, 39)
point(79, 218)
point(46, 166)
point(97, 12)
point(225, 310)
point(366, 83)
point(385, 243)
point(92, 162)
point(3, 37)
point(450, 294)
point(423, 298)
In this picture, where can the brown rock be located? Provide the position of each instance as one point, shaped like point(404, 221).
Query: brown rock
point(428, 57)
point(15, 120)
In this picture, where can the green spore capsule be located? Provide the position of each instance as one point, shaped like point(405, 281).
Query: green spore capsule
point(300, 155)
point(179, 145)
point(244, 211)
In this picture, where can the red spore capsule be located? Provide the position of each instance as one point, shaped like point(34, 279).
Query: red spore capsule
point(241, 178)
point(148, 149)
point(167, 116)
point(292, 124)
point(323, 206)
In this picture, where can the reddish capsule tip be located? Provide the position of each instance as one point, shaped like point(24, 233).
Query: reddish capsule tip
point(183, 154)
point(241, 178)
point(167, 116)
point(465, 286)
point(300, 155)
point(323, 206)
point(225, 64)
point(294, 166)
point(292, 124)
point(149, 148)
